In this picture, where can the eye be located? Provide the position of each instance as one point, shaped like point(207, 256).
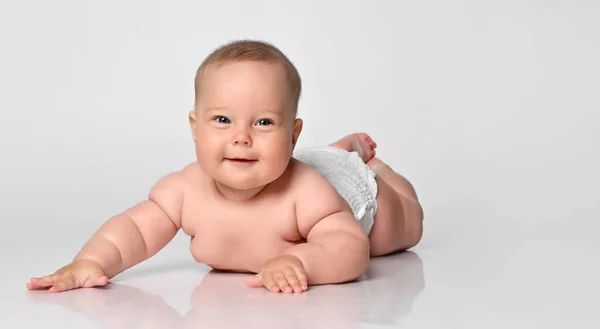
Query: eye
point(265, 122)
point(221, 119)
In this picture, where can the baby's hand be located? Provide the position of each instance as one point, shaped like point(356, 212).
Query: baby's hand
point(282, 273)
point(79, 274)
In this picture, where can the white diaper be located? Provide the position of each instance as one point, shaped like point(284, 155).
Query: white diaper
point(350, 176)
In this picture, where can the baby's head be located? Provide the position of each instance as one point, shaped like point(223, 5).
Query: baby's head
point(244, 122)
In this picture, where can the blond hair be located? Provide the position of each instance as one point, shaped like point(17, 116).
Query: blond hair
point(253, 50)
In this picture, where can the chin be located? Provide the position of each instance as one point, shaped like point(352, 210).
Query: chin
point(249, 183)
point(242, 184)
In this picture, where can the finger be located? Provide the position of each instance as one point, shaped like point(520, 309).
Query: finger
point(292, 280)
point(36, 286)
point(282, 282)
point(35, 283)
point(269, 282)
point(255, 281)
point(301, 274)
point(46, 279)
point(94, 280)
point(40, 283)
point(100, 281)
point(71, 280)
point(65, 282)
point(59, 286)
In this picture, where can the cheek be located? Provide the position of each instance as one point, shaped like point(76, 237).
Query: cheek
point(209, 150)
point(208, 146)
point(279, 149)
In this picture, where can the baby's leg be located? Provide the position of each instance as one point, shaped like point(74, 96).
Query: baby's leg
point(398, 223)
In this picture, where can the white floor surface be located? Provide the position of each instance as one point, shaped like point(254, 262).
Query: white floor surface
point(462, 275)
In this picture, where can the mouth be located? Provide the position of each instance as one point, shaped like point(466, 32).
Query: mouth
point(241, 160)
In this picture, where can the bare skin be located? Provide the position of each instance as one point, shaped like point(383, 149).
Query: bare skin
point(398, 222)
point(247, 205)
point(239, 237)
point(228, 241)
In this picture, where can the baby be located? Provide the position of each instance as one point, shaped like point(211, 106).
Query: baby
point(251, 203)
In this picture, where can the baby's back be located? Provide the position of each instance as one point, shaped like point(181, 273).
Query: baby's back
point(240, 236)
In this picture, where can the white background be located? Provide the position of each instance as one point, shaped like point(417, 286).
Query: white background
point(485, 107)
point(490, 108)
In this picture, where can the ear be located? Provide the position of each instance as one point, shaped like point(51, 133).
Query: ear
point(192, 118)
point(296, 131)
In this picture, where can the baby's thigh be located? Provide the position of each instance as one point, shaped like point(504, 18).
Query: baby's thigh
point(388, 230)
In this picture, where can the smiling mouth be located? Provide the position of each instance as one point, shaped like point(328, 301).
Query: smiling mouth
point(241, 161)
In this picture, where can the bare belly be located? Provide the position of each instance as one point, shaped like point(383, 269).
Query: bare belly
point(238, 236)
point(241, 238)
point(245, 253)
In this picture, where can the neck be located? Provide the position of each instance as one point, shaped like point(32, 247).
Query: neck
point(233, 194)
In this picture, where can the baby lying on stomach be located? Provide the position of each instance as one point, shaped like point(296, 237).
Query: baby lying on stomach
point(250, 203)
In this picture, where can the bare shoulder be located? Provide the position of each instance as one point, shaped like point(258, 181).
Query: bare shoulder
point(169, 191)
point(315, 197)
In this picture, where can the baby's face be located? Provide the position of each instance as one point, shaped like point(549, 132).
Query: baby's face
point(243, 126)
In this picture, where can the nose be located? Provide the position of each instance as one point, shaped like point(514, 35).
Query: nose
point(242, 138)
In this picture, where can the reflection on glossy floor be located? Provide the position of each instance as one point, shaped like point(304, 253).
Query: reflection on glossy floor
point(221, 300)
point(464, 274)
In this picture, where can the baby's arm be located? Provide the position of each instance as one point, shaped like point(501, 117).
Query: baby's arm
point(139, 232)
point(124, 240)
point(337, 248)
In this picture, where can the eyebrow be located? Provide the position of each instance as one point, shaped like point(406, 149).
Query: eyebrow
point(216, 108)
point(278, 113)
